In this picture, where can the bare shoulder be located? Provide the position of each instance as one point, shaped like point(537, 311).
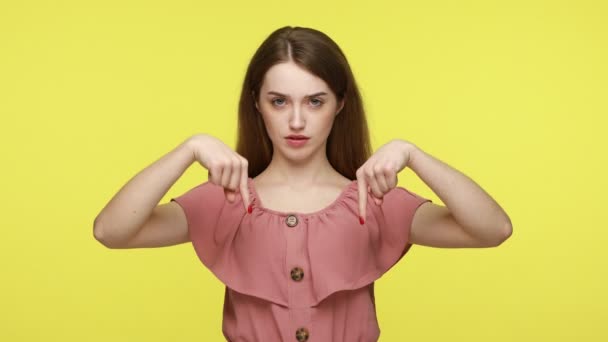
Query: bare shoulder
point(332, 185)
point(342, 182)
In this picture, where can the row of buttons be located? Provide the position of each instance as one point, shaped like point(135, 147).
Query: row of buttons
point(297, 274)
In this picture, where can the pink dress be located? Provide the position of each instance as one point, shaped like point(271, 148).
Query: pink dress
point(299, 276)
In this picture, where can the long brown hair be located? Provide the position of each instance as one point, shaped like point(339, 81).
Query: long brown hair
point(348, 143)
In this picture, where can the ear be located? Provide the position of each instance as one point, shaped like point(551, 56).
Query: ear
point(255, 101)
point(341, 106)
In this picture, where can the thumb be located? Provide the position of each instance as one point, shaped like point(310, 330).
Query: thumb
point(230, 195)
point(362, 189)
point(377, 200)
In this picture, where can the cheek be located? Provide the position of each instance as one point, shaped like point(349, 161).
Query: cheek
point(329, 122)
point(270, 125)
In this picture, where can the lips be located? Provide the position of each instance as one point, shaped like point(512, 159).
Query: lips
point(296, 140)
point(297, 137)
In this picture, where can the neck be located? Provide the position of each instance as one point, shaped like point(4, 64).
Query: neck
point(313, 170)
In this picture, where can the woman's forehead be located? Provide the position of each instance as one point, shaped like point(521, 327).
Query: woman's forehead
point(290, 79)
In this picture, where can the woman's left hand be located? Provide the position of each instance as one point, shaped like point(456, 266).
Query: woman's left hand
point(378, 175)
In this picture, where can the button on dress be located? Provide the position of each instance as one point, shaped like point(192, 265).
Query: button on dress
point(293, 276)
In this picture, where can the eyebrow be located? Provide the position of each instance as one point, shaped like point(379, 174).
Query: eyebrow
point(311, 95)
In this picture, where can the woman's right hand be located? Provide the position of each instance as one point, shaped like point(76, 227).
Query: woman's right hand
point(226, 167)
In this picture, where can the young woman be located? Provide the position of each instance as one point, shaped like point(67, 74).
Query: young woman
point(302, 218)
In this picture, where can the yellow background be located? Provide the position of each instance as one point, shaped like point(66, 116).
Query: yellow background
point(512, 93)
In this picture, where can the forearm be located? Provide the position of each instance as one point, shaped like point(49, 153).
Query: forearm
point(468, 203)
point(131, 206)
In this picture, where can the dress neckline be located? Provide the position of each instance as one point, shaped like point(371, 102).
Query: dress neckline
point(256, 201)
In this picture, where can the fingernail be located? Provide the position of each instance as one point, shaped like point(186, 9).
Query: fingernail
point(361, 220)
point(249, 209)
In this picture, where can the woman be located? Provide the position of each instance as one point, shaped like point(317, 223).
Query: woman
point(300, 243)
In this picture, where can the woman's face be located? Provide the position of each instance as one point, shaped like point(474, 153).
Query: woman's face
point(294, 101)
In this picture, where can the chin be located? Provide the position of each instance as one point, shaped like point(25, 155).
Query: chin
point(301, 153)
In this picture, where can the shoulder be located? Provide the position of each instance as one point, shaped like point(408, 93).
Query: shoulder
point(205, 189)
point(400, 204)
point(401, 195)
point(206, 194)
point(342, 182)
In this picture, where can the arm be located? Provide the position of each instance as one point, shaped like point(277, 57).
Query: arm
point(471, 217)
point(129, 209)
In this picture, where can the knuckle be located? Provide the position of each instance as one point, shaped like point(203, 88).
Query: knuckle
point(223, 163)
point(215, 168)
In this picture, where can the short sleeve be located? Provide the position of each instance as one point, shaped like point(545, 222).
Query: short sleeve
point(201, 205)
point(345, 255)
point(393, 219)
point(212, 221)
point(231, 246)
point(398, 209)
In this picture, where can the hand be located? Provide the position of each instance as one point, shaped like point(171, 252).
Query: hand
point(225, 167)
point(378, 175)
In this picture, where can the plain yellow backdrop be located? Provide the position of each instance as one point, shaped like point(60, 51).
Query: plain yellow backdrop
point(511, 93)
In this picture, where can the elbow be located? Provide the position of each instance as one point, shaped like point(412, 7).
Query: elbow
point(503, 233)
point(99, 234)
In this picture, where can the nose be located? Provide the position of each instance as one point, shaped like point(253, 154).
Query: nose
point(296, 119)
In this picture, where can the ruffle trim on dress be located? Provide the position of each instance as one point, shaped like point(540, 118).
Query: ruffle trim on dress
point(249, 253)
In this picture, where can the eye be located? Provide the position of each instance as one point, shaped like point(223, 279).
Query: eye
point(318, 101)
point(277, 99)
point(280, 101)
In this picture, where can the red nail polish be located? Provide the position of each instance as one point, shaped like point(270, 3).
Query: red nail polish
point(361, 220)
point(249, 209)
